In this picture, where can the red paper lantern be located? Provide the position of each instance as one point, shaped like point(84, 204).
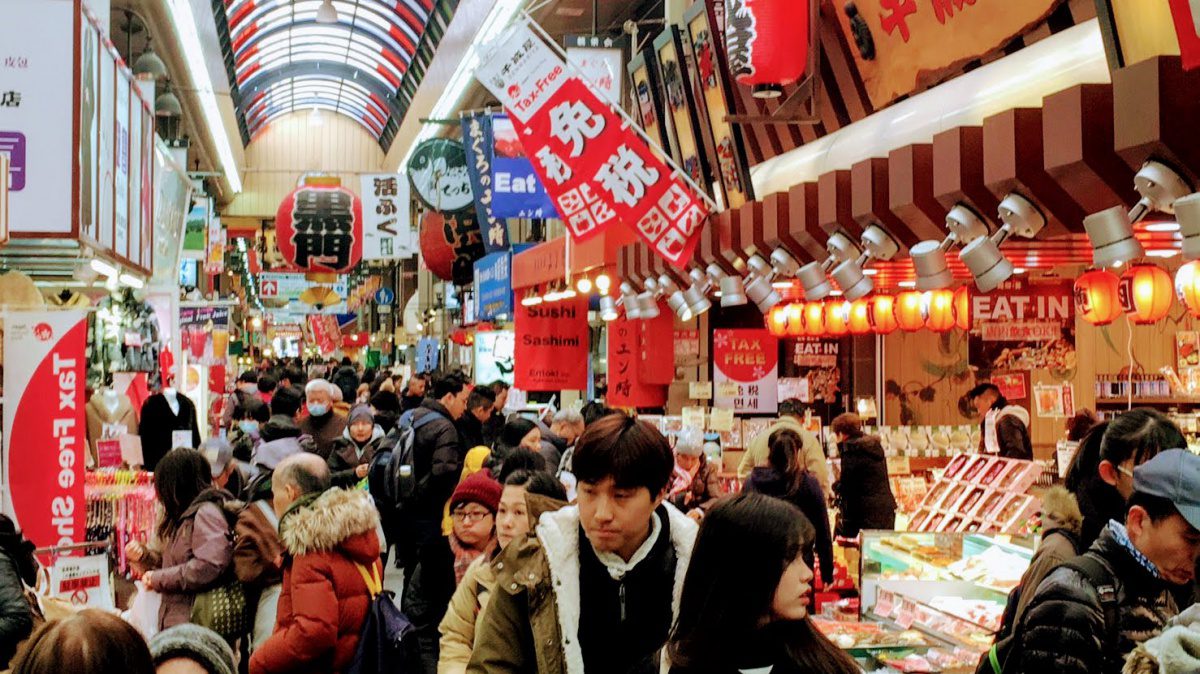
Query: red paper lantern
point(939, 310)
point(450, 245)
point(883, 314)
point(837, 319)
point(1187, 287)
point(319, 228)
point(777, 323)
point(910, 311)
point(768, 43)
point(814, 319)
point(1145, 293)
point(795, 319)
point(1096, 296)
point(962, 308)
point(860, 317)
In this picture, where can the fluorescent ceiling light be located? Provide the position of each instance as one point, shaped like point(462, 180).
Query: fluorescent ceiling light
point(907, 284)
point(1162, 227)
point(186, 31)
point(102, 267)
point(132, 281)
point(497, 20)
point(1168, 252)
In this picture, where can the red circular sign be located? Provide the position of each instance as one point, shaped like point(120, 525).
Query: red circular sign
point(319, 229)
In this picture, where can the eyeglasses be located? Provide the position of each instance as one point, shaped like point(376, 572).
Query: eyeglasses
point(469, 516)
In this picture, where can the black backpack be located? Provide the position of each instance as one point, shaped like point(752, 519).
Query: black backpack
point(392, 479)
point(386, 642)
point(1002, 657)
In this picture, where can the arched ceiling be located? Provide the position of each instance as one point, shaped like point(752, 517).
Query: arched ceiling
point(366, 66)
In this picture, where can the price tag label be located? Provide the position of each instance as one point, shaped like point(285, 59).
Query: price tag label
point(898, 465)
point(131, 449)
point(720, 420)
point(907, 614)
point(727, 389)
point(700, 390)
point(108, 453)
point(693, 417)
point(181, 439)
point(885, 603)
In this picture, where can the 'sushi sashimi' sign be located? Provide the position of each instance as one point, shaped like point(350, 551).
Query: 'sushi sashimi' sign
point(44, 424)
point(552, 346)
point(597, 169)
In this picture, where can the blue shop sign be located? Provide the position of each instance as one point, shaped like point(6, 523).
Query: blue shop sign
point(493, 286)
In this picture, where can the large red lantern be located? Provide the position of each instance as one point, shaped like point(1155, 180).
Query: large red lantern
point(795, 319)
point(777, 321)
point(1096, 296)
point(939, 310)
point(883, 314)
point(837, 319)
point(319, 228)
point(860, 317)
point(814, 319)
point(768, 43)
point(962, 308)
point(1145, 293)
point(910, 311)
point(1187, 287)
point(450, 245)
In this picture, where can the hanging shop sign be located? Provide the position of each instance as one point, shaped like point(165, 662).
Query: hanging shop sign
point(1024, 326)
point(683, 124)
point(319, 227)
point(450, 245)
point(5, 164)
point(647, 105)
point(596, 168)
point(204, 334)
point(388, 231)
point(625, 387)
point(1186, 14)
point(519, 192)
point(493, 286)
point(494, 356)
point(195, 231)
point(552, 350)
point(427, 354)
point(477, 138)
point(44, 426)
point(438, 172)
point(601, 61)
point(716, 92)
point(214, 259)
point(287, 287)
point(326, 334)
point(816, 352)
point(654, 340)
point(747, 360)
point(917, 44)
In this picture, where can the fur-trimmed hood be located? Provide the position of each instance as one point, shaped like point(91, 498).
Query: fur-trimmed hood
point(339, 519)
point(1060, 510)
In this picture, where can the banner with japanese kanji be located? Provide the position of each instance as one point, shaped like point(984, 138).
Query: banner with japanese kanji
point(326, 334)
point(626, 387)
point(745, 370)
point(477, 142)
point(595, 167)
point(319, 227)
point(553, 346)
point(389, 231)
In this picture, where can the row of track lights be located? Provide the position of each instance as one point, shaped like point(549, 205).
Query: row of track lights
point(556, 292)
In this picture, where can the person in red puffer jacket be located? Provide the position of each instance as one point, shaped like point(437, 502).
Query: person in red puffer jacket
point(327, 534)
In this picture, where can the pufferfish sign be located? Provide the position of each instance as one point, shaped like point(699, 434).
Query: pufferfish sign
point(450, 238)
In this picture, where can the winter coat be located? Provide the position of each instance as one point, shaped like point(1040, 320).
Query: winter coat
point(1059, 545)
point(195, 558)
point(324, 601)
point(324, 431)
point(437, 464)
point(1063, 630)
point(1012, 432)
point(759, 449)
point(704, 490)
point(809, 499)
point(470, 430)
point(346, 378)
point(864, 491)
point(553, 447)
point(16, 620)
point(257, 549)
point(344, 458)
point(532, 621)
point(465, 614)
point(159, 422)
point(1100, 502)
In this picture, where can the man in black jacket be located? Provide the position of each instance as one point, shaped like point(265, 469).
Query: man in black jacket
point(1005, 428)
point(437, 464)
point(479, 412)
point(1065, 628)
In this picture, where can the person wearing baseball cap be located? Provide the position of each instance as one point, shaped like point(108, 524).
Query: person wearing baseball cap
point(225, 472)
point(443, 563)
point(1090, 613)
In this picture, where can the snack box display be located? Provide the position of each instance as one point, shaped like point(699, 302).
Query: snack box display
point(967, 503)
point(994, 470)
point(1018, 508)
point(955, 466)
point(975, 468)
point(986, 503)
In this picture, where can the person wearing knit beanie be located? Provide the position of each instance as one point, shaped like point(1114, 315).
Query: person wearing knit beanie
point(361, 412)
point(173, 649)
point(479, 488)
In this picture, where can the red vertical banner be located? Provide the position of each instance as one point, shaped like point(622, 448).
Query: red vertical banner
point(656, 338)
point(1186, 14)
point(552, 346)
point(326, 334)
point(625, 387)
point(44, 426)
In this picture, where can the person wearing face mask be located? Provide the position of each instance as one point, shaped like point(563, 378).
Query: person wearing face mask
point(1090, 613)
point(756, 619)
point(352, 453)
point(323, 423)
point(245, 387)
point(527, 494)
point(248, 418)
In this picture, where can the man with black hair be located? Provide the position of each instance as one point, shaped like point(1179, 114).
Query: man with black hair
point(266, 387)
point(791, 417)
point(479, 412)
point(1004, 428)
point(595, 590)
point(493, 426)
point(292, 376)
point(414, 392)
point(1090, 613)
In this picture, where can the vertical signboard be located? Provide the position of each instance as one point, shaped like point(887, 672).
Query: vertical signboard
point(552, 351)
point(121, 168)
point(646, 100)
point(745, 370)
point(5, 163)
point(89, 130)
point(493, 286)
point(683, 125)
point(601, 61)
point(478, 144)
point(106, 139)
point(36, 67)
point(625, 383)
point(388, 232)
point(44, 427)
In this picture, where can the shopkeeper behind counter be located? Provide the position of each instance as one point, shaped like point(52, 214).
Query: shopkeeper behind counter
point(1005, 427)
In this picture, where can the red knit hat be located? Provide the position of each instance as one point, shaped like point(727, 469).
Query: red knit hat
point(478, 488)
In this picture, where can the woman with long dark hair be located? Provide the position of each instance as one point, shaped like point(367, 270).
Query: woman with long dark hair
point(1101, 474)
point(194, 546)
point(786, 477)
point(757, 618)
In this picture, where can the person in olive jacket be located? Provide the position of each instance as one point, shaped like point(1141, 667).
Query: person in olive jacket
point(863, 491)
point(1066, 628)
